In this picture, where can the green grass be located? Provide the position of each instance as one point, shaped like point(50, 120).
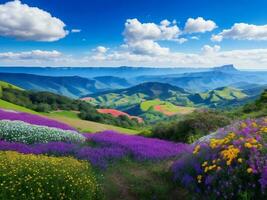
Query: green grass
point(226, 93)
point(166, 108)
point(70, 118)
point(85, 126)
point(8, 85)
point(11, 106)
point(146, 105)
point(64, 113)
point(132, 180)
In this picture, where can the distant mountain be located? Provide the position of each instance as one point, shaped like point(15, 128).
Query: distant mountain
point(72, 86)
point(225, 68)
point(91, 72)
point(111, 82)
point(208, 80)
point(151, 89)
point(127, 99)
point(219, 97)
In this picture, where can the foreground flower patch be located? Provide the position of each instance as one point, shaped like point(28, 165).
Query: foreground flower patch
point(17, 131)
point(24, 177)
point(32, 119)
point(108, 147)
point(231, 165)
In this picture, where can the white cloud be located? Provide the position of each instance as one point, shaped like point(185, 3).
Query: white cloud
point(195, 38)
point(242, 31)
point(142, 38)
point(206, 49)
point(22, 22)
point(199, 25)
point(101, 49)
point(31, 55)
point(147, 47)
point(216, 38)
point(208, 56)
point(76, 30)
point(181, 40)
point(136, 31)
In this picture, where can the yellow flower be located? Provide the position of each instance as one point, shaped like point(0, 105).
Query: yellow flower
point(199, 178)
point(248, 145)
point(229, 154)
point(204, 164)
point(249, 170)
point(254, 124)
point(196, 150)
point(240, 160)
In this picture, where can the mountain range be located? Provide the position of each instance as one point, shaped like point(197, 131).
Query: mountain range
point(128, 86)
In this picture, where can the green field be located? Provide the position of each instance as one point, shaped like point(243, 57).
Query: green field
point(85, 126)
point(146, 105)
point(164, 107)
point(70, 118)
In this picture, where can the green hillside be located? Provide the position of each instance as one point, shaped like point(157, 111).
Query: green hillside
point(11, 106)
point(86, 126)
point(70, 118)
point(219, 97)
point(4, 85)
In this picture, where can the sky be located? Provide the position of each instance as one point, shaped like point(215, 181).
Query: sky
point(152, 33)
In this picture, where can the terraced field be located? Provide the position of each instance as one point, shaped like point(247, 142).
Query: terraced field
point(165, 108)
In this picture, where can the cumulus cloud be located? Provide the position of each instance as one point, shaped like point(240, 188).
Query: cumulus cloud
point(136, 31)
point(101, 49)
point(199, 25)
point(242, 31)
point(206, 49)
point(195, 38)
point(31, 55)
point(208, 56)
point(147, 47)
point(76, 30)
point(23, 22)
point(142, 38)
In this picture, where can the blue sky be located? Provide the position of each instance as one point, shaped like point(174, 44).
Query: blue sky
point(94, 33)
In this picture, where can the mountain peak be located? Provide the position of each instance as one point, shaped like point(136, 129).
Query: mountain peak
point(226, 68)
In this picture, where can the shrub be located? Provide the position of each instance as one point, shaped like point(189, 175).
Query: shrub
point(40, 177)
point(231, 164)
point(17, 131)
point(192, 127)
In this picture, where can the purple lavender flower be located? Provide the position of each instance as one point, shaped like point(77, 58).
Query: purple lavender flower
point(32, 119)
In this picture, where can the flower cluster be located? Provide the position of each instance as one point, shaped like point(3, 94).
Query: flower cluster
point(107, 147)
point(18, 131)
point(230, 165)
point(26, 177)
point(32, 119)
point(139, 147)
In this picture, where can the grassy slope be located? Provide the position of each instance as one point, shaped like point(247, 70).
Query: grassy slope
point(70, 118)
point(11, 106)
point(8, 85)
point(226, 93)
point(165, 107)
point(140, 181)
point(146, 105)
